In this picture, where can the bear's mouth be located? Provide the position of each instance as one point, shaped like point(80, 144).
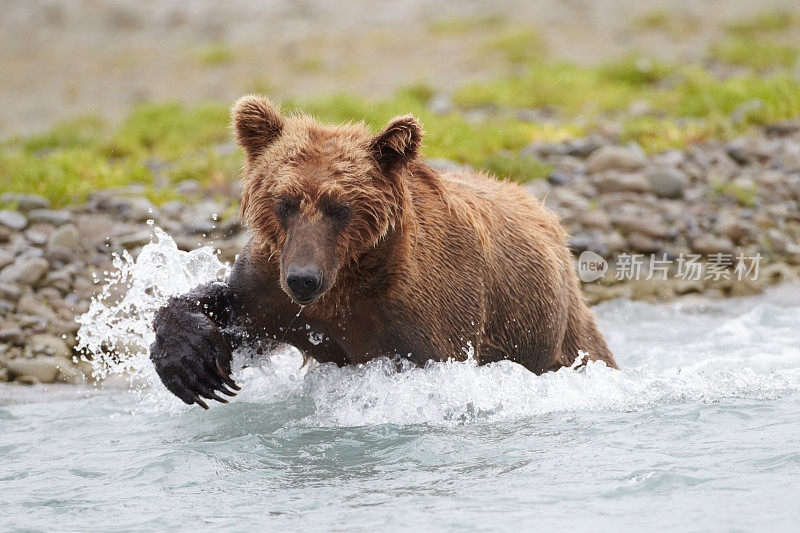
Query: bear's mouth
point(303, 303)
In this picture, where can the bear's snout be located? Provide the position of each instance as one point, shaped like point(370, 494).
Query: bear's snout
point(304, 282)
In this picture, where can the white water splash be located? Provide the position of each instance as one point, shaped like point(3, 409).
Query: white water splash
point(736, 349)
point(116, 331)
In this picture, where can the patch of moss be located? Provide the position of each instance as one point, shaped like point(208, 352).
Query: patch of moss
point(756, 53)
point(745, 196)
point(674, 93)
point(420, 92)
point(656, 134)
point(449, 136)
point(310, 64)
point(516, 167)
point(261, 85)
point(636, 70)
point(66, 175)
point(765, 22)
point(208, 166)
point(170, 130)
point(701, 95)
point(654, 20)
point(79, 156)
point(518, 45)
point(667, 22)
point(568, 87)
point(464, 25)
point(214, 54)
point(75, 133)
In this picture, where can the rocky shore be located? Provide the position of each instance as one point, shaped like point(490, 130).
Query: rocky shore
point(714, 200)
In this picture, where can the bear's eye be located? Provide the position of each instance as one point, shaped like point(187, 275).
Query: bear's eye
point(285, 207)
point(339, 212)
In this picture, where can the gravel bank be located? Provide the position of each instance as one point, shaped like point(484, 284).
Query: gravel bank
point(716, 199)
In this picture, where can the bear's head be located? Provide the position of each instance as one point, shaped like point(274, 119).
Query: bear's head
point(318, 197)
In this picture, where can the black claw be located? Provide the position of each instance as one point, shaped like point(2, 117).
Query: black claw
point(200, 402)
point(225, 391)
point(220, 370)
point(215, 396)
point(225, 377)
point(189, 373)
point(178, 389)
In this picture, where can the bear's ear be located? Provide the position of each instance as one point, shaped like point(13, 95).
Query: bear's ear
point(398, 143)
point(257, 124)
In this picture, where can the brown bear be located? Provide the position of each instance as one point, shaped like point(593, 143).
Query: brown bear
point(381, 256)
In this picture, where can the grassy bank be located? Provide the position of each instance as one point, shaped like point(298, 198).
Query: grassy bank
point(749, 79)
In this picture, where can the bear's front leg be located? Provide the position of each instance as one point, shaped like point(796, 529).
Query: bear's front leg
point(191, 353)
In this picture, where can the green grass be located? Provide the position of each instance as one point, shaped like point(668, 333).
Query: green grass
point(214, 54)
point(745, 196)
point(77, 133)
point(76, 157)
point(688, 104)
point(310, 64)
point(449, 136)
point(756, 53)
point(701, 95)
point(462, 25)
point(420, 92)
point(79, 156)
point(66, 175)
point(568, 87)
point(635, 70)
point(654, 20)
point(171, 130)
point(518, 45)
point(775, 21)
point(666, 22)
point(160, 144)
point(515, 167)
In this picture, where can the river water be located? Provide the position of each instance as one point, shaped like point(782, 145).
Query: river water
point(699, 431)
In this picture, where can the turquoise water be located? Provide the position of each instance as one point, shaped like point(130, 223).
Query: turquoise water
point(699, 431)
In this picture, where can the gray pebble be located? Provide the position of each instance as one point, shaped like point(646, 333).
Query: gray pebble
point(67, 236)
point(135, 239)
point(25, 201)
point(13, 219)
point(24, 271)
point(12, 335)
point(614, 181)
point(9, 292)
point(43, 369)
point(6, 257)
point(622, 158)
point(56, 217)
point(666, 182)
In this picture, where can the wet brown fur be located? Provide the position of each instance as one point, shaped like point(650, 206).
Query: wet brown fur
point(427, 266)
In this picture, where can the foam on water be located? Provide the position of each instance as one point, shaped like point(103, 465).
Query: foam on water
point(750, 355)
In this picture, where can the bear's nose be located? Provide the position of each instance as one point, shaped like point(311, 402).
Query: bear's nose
point(303, 281)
